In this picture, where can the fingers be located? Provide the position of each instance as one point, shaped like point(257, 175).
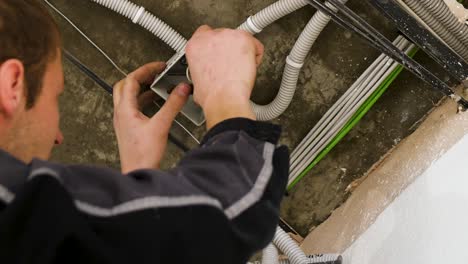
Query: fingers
point(117, 92)
point(258, 46)
point(146, 73)
point(202, 29)
point(259, 51)
point(128, 89)
point(173, 106)
point(145, 99)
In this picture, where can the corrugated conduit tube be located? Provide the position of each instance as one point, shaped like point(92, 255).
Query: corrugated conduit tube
point(441, 11)
point(320, 259)
point(270, 255)
point(454, 41)
point(256, 23)
point(295, 60)
point(140, 16)
point(289, 247)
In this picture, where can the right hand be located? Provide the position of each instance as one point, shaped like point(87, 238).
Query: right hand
point(223, 67)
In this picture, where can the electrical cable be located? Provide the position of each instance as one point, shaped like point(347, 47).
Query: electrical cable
point(370, 36)
point(86, 37)
point(344, 101)
point(109, 90)
point(332, 128)
point(321, 142)
point(341, 111)
point(361, 112)
point(388, 48)
point(110, 60)
point(87, 71)
point(353, 22)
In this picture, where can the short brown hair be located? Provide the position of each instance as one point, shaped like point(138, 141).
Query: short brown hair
point(28, 33)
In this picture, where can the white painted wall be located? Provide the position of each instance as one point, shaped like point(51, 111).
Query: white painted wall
point(427, 223)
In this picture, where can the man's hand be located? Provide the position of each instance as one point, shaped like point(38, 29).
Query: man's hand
point(142, 140)
point(223, 66)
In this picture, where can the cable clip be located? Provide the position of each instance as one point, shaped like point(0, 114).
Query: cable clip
point(294, 64)
point(252, 26)
point(138, 15)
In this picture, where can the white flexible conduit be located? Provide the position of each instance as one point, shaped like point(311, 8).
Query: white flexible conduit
point(460, 12)
point(296, 58)
point(270, 255)
point(442, 12)
point(289, 247)
point(437, 20)
point(140, 16)
point(319, 259)
point(255, 24)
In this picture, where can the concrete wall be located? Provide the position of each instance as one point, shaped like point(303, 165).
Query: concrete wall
point(410, 206)
point(427, 223)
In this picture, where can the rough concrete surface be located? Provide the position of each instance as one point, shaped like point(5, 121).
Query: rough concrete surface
point(410, 161)
point(336, 61)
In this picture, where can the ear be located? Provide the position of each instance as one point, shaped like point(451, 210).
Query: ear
point(11, 86)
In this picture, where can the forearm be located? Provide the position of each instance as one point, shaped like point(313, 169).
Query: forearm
point(227, 107)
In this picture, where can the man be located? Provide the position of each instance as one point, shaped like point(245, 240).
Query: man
point(219, 205)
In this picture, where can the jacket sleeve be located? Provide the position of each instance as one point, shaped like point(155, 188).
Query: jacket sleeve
point(224, 195)
point(240, 166)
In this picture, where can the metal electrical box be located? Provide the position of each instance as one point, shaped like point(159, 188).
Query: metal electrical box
point(177, 72)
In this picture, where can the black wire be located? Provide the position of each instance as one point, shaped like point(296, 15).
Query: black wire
point(83, 68)
point(88, 72)
point(370, 38)
point(178, 143)
point(343, 23)
point(406, 61)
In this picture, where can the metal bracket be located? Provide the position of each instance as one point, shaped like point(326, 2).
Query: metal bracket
point(176, 72)
point(348, 19)
point(452, 62)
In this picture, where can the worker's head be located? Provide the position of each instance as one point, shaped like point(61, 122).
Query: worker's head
point(31, 80)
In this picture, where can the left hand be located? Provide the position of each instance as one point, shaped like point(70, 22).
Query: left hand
point(142, 140)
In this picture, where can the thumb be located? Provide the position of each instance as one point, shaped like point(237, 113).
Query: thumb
point(173, 105)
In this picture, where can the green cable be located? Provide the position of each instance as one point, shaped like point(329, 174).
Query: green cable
point(361, 112)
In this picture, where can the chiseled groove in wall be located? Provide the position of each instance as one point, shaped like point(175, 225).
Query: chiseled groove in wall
point(442, 129)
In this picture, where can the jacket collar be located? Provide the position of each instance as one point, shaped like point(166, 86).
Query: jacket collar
point(13, 172)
